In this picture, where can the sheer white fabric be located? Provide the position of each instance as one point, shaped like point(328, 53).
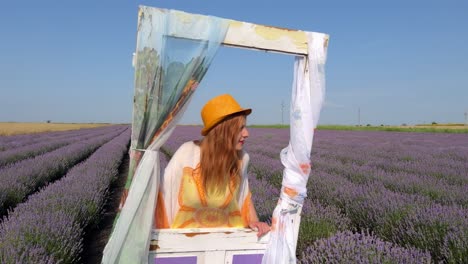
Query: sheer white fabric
point(308, 93)
point(164, 86)
point(129, 242)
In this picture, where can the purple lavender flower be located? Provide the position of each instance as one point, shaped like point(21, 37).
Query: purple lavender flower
point(49, 226)
point(348, 247)
point(22, 178)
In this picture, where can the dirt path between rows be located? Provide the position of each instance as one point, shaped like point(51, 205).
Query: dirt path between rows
point(96, 238)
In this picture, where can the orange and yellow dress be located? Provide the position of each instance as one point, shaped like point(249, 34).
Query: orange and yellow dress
point(183, 203)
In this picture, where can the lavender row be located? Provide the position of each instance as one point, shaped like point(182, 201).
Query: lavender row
point(367, 210)
point(414, 165)
point(330, 233)
point(449, 150)
point(412, 220)
point(264, 196)
point(19, 180)
point(403, 167)
point(444, 165)
point(440, 156)
point(438, 190)
point(321, 222)
point(29, 151)
point(9, 142)
point(349, 247)
point(318, 221)
point(437, 155)
point(49, 227)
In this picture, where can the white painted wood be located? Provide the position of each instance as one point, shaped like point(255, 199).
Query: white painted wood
point(253, 36)
point(206, 239)
point(209, 245)
point(215, 256)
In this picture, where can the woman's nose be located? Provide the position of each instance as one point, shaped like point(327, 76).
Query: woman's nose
point(245, 133)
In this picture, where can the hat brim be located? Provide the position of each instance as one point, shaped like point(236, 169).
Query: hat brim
point(207, 129)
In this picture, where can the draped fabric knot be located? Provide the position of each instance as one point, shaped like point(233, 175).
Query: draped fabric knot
point(308, 94)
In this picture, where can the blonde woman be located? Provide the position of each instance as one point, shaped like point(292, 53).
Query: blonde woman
point(205, 183)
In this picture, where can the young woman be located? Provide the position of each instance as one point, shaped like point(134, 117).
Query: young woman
point(205, 183)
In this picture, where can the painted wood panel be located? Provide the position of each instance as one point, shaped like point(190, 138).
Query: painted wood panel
point(253, 36)
point(174, 240)
point(207, 245)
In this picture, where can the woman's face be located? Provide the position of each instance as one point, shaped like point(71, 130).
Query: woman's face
point(241, 136)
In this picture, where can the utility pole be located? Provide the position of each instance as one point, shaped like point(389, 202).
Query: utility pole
point(359, 116)
point(282, 111)
point(466, 118)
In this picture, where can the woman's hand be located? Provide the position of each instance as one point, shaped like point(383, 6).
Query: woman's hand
point(261, 227)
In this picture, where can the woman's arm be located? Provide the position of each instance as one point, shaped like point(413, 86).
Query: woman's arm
point(261, 227)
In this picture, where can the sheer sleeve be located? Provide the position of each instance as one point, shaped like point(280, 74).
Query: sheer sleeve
point(244, 199)
point(170, 180)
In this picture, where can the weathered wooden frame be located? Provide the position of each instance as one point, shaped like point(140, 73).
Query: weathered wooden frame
point(266, 38)
point(261, 37)
point(218, 245)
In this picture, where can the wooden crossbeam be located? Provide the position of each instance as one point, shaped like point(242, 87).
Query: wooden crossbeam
point(253, 36)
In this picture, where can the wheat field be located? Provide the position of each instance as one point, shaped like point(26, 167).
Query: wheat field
point(13, 128)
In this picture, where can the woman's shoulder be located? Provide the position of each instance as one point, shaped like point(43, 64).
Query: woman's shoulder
point(188, 145)
point(187, 154)
point(188, 148)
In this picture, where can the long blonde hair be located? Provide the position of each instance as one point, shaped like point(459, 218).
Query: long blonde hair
point(219, 158)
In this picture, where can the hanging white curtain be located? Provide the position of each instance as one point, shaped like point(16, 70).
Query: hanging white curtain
point(174, 51)
point(308, 94)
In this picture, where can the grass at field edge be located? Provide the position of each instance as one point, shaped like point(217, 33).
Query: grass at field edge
point(434, 129)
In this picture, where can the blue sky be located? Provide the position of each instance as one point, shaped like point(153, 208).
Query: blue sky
point(394, 61)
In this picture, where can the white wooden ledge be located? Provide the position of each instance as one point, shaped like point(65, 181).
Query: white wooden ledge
point(207, 245)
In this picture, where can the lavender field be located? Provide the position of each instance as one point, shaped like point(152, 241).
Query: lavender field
point(50, 196)
point(373, 197)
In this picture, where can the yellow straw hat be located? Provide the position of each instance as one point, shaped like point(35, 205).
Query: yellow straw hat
point(217, 109)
